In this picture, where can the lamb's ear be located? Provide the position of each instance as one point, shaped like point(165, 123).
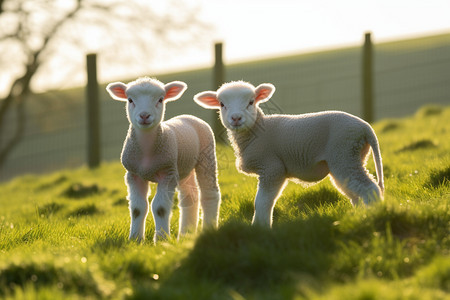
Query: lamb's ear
point(263, 92)
point(117, 91)
point(174, 90)
point(207, 100)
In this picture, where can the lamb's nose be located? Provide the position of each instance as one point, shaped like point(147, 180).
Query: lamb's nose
point(236, 118)
point(144, 116)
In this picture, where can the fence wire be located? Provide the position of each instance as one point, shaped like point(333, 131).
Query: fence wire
point(405, 78)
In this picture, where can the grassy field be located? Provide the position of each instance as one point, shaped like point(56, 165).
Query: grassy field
point(64, 236)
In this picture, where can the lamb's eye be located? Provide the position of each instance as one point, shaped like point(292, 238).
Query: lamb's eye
point(130, 100)
point(251, 102)
point(221, 104)
point(161, 100)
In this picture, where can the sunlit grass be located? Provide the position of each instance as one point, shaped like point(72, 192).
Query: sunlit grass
point(64, 235)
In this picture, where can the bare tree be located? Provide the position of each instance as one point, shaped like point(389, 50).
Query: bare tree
point(35, 33)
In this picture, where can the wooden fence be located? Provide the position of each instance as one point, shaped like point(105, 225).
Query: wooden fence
point(402, 76)
point(218, 73)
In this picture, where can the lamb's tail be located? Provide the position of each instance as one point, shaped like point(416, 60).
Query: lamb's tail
point(373, 142)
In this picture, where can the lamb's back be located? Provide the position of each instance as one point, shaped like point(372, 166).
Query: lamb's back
point(312, 130)
point(297, 141)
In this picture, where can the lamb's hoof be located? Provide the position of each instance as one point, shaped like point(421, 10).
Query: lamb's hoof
point(136, 238)
point(160, 237)
point(261, 224)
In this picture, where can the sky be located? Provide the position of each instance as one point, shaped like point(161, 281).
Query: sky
point(252, 29)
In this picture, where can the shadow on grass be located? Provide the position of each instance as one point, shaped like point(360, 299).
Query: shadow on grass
point(86, 210)
point(429, 110)
point(79, 191)
point(255, 261)
point(313, 198)
point(46, 274)
point(61, 179)
point(107, 243)
point(390, 126)
point(245, 257)
point(419, 145)
point(49, 209)
point(438, 178)
point(121, 202)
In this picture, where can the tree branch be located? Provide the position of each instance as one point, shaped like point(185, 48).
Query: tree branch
point(20, 88)
point(121, 20)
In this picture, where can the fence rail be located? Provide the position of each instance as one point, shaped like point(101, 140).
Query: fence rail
point(406, 75)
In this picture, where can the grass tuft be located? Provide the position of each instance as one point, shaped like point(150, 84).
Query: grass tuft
point(439, 178)
point(49, 209)
point(429, 110)
point(52, 183)
point(311, 199)
point(86, 210)
point(15, 276)
point(79, 190)
point(390, 126)
point(419, 145)
point(121, 202)
point(436, 274)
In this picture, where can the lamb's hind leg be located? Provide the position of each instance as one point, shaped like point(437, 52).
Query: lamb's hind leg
point(188, 203)
point(354, 181)
point(206, 172)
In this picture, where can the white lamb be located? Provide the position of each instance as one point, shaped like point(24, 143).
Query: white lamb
point(304, 147)
point(179, 153)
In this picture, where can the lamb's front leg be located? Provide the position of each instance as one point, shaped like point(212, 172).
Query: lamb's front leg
point(138, 191)
point(268, 191)
point(162, 208)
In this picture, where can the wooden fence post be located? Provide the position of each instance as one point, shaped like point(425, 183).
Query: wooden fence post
point(93, 113)
point(218, 77)
point(367, 79)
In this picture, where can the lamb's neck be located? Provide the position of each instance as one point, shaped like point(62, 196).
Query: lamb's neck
point(241, 139)
point(148, 141)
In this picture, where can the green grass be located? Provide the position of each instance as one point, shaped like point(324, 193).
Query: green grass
point(64, 236)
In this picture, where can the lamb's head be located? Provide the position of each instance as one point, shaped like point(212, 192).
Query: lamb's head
point(146, 99)
point(238, 102)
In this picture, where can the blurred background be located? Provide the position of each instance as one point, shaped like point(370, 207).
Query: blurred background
point(317, 53)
